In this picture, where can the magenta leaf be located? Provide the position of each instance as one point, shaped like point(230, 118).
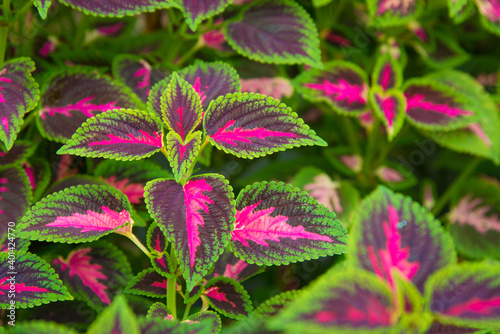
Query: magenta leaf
point(116, 318)
point(478, 302)
point(232, 267)
point(394, 12)
point(28, 281)
point(196, 217)
point(341, 84)
point(387, 73)
point(118, 8)
point(78, 214)
point(182, 155)
point(279, 32)
point(490, 14)
point(251, 125)
point(94, 273)
point(71, 96)
point(18, 95)
point(196, 11)
point(148, 283)
point(228, 297)
point(390, 107)
point(279, 224)
point(123, 134)
point(352, 301)
point(385, 228)
point(157, 244)
point(19, 152)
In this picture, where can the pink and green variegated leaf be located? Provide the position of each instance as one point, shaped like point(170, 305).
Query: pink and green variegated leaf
point(182, 155)
point(118, 8)
point(251, 125)
point(343, 85)
point(123, 134)
point(466, 294)
point(196, 217)
point(344, 159)
point(40, 327)
point(72, 95)
point(278, 32)
point(384, 239)
point(19, 152)
point(17, 244)
point(137, 74)
point(432, 105)
point(117, 318)
point(209, 80)
point(339, 302)
point(34, 281)
point(232, 267)
point(196, 11)
point(279, 224)
point(38, 172)
point(94, 273)
point(194, 294)
point(395, 176)
point(394, 12)
point(78, 214)
point(18, 95)
point(390, 107)
point(160, 310)
point(387, 73)
point(157, 244)
point(148, 283)
point(273, 305)
point(15, 198)
point(42, 6)
point(208, 317)
point(228, 297)
point(490, 14)
point(181, 106)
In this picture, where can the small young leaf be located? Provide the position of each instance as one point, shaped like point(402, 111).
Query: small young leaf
point(279, 32)
point(123, 134)
point(42, 6)
point(196, 11)
point(18, 94)
point(208, 317)
point(148, 283)
point(232, 267)
point(390, 107)
point(344, 159)
point(78, 214)
point(387, 73)
point(228, 297)
point(456, 6)
point(393, 176)
point(490, 14)
point(394, 12)
point(181, 155)
point(196, 217)
point(118, 8)
point(160, 310)
point(158, 245)
point(31, 281)
point(341, 84)
point(279, 224)
point(251, 125)
point(19, 152)
point(117, 318)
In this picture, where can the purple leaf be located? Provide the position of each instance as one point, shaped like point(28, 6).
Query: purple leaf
point(18, 94)
point(78, 214)
point(123, 134)
point(196, 11)
point(31, 279)
point(341, 84)
point(439, 328)
point(196, 217)
point(490, 14)
point(279, 224)
point(158, 245)
point(148, 283)
point(251, 125)
point(386, 226)
point(182, 155)
point(390, 107)
point(279, 32)
point(19, 152)
point(160, 310)
point(94, 273)
point(207, 317)
point(118, 8)
point(387, 73)
point(232, 267)
point(394, 12)
point(228, 297)
point(71, 96)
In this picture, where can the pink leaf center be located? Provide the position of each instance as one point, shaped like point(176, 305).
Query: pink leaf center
point(342, 90)
point(245, 135)
point(84, 106)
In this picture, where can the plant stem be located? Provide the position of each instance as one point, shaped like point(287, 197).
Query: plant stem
point(352, 138)
point(446, 197)
point(4, 30)
point(23, 10)
point(199, 44)
point(186, 311)
point(371, 149)
point(136, 241)
point(171, 287)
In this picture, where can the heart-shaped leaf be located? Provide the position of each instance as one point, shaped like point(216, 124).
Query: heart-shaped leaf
point(117, 318)
point(387, 73)
point(28, 281)
point(251, 125)
point(394, 12)
point(490, 14)
point(343, 85)
point(78, 214)
point(157, 243)
point(277, 31)
point(94, 273)
point(196, 217)
point(18, 94)
point(390, 107)
point(148, 283)
point(384, 239)
point(123, 134)
point(228, 297)
point(119, 8)
point(279, 224)
point(196, 11)
point(181, 155)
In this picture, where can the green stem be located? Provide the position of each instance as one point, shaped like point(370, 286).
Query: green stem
point(199, 44)
point(446, 197)
point(136, 241)
point(4, 30)
point(80, 32)
point(186, 311)
point(171, 287)
point(22, 12)
point(352, 137)
point(336, 14)
point(371, 149)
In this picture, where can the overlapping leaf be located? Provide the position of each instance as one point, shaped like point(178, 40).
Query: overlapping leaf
point(18, 245)
point(182, 155)
point(390, 107)
point(158, 245)
point(123, 134)
point(117, 318)
point(490, 14)
point(279, 32)
point(18, 94)
point(343, 85)
point(159, 310)
point(196, 11)
point(19, 152)
point(385, 243)
point(251, 125)
point(196, 217)
point(118, 8)
point(148, 283)
point(228, 297)
point(78, 214)
point(279, 224)
point(273, 305)
point(232, 267)
point(394, 12)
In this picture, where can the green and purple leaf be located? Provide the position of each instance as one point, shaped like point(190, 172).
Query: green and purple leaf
point(71, 96)
point(208, 317)
point(490, 14)
point(196, 217)
point(19, 152)
point(123, 134)
point(148, 283)
point(18, 95)
point(279, 224)
point(157, 244)
point(228, 297)
point(118, 8)
point(18, 244)
point(387, 73)
point(279, 32)
point(196, 11)
point(273, 305)
point(390, 107)
point(343, 85)
point(251, 125)
point(160, 310)
point(439, 328)
point(232, 267)
point(94, 273)
point(182, 155)
point(394, 12)
point(117, 318)
point(78, 214)
point(384, 239)
point(28, 281)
